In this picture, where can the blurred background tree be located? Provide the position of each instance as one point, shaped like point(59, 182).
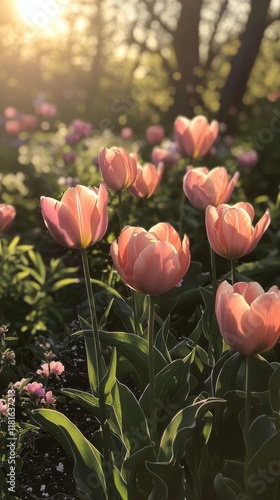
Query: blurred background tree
point(138, 62)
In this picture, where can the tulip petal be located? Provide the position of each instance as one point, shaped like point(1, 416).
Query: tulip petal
point(60, 222)
point(260, 228)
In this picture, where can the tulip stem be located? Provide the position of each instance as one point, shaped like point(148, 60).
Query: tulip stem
point(233, 271)
point(120, 211)
point(153, 416)
point(213, 271)
point(137, 325)
point(247, 424)
point(182, 206)
point(97, 362)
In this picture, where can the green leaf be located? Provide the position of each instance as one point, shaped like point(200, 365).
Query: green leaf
point(274, 393)
point(120, 306)
point(228, 489)
point(88, 473)
point(262, 429)
point(63, 282)
point(161, 339)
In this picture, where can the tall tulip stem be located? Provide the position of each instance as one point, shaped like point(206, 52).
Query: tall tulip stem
point(213, 271)
point(93, 317)
point(153, 418)
point(98, 363)
point(248, 396)
point(233, 271)
point(120, 210)
point(181, 217)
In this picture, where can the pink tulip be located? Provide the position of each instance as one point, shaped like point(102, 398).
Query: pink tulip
point(147, 180)
point(230, 231)
point(203, 187)
point(151, 262)
point(80, 219)
point(248, 318)
point(10, 112)
point(195, 137)
point(168, 155)
point(13, 127)
point(248, 159)
point(52, 368)
point(82, 128)
point(118, 168)
point(7, 215)
point(35, 389)
point(28, 122)
point(155, 134)
point(69, 157)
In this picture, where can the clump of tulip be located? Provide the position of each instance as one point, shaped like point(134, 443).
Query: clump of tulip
point(230, 231)
point(248, 317)
point(195, 137)
point(205, 187)
point(152, 262)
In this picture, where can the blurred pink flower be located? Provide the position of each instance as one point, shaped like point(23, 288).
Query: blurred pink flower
point(82, 128)
point(46, 109)
point(19, 383)
point(54, 368)
point(13, 127)
point(28, 122)
point(69, 157)
point(126, 133)
point(168, 155)
point(155, 134)
point(35, 389)
point(7, 215)
point(248, 159)
point(10, 112)
point(147, 180)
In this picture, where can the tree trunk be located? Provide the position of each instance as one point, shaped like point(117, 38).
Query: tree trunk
point(244, 60)
point(186, 47)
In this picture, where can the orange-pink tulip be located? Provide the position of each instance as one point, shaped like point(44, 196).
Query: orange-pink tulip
point(230, 230)
point(80, 219)
point(147, 180)
point(203, 187)
point(248, 317)
point(118, 168)
point(151, 262)
point(7, 215)
point(195, 137)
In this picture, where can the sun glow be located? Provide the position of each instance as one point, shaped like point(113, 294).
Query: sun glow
point(45, 16)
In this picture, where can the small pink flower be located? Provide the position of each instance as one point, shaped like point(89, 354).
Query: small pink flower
point(48, 399)
point(35, 389)
point(54, 368)
point(126, 133)
point(3, 408)
point(46, 109)
point(248, 159)
point(19, 383)
point(69, 157)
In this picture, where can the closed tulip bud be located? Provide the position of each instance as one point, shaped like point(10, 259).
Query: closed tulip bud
point(195, 137)
point(80, 219)
point(155, 134)
point(248, 317)
point(152, 262)
point(118, 168)
point(203, 187)
point(147, 180)
point(7, 215)
point(230, 230)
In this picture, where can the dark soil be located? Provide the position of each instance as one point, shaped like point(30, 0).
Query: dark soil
point(47, 471)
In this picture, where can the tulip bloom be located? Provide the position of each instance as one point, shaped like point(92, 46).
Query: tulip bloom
point(230, 231)
point(151, 262)
point(195, 137)
point(147, 180)
point(52, 368)
point(155, 134)
point(248, 317)
point(203, 187)
point(118, 168)
point(80, 219)
point(7, 215)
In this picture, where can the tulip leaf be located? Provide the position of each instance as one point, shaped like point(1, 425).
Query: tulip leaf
point(120, 306)
point(135, 349)
point(171, 389)
point(173, 443)
point(88, 473)
point(85, 399)
point(263, 470)
point(162, 338)
point(262, 429)
point(227, 489)
point(62, 283)
point(274, 393)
